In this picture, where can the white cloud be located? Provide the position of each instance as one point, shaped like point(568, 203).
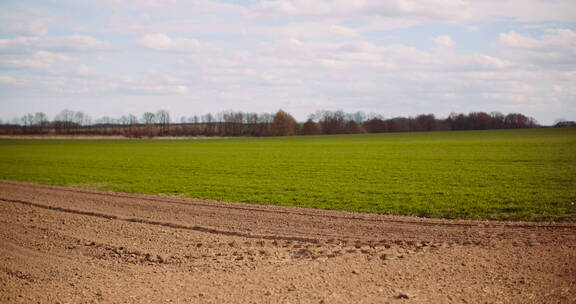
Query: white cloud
point(556, 46)
point(363, 56)
point(150, 84)
point(443, 42)
point(71, 43)
point(426, 9)
point(77, 43)
point(302, 54)
point(309, 30)
point(83, 70)
point(183, 7)
point(343, 31)
point(11, 80)
point(46, 52)
point(525, 10)
point(164, 43)
point(38, 60)
point(152, 89)
point(25, 19)
point(34, 28)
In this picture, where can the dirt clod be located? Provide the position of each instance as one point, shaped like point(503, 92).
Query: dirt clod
point(386, 256)
point(402, 296)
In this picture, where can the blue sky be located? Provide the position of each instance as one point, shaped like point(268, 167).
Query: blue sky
point(398, 57)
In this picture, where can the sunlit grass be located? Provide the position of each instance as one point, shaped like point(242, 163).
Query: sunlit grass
point(500, 174)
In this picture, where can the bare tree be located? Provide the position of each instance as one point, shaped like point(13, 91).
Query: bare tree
point(148, 118)
point(64, 121)
point(40, 119)
point(163, 121)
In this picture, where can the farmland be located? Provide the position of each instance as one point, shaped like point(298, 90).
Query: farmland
point(182, 236)
point(500, 174)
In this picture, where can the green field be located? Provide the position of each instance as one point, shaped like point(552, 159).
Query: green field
point(502, 174)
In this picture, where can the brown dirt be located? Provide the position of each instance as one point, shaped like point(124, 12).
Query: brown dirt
point(68, 245)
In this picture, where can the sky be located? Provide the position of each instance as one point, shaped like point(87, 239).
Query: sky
point(191, 57)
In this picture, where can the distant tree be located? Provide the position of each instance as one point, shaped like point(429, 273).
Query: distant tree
point(479, 120)
point(398, 124)
point(459, 122)
point(517, 121)
point(265, 124)
point(496, 120)
point(283, 124)
point(311, 127)
point(28, 120)
point(64, 121)
point(375, 125)
point(425, 122)
point(358, 117)
point(232, 123)
point(209, 123)
point(163, 121)
point(332, 122)
point(562, 123)
point(123, 120)
point(352, 127)
point(105, 120)
point(132, 126)
point(40, 119)
point(81, 119)
point(148, 118)
point(251, 124)
point(65, 116)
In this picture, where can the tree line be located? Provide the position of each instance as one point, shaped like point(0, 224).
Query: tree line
point(233, 123)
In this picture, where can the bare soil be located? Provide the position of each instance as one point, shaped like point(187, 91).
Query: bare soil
point(70, 245)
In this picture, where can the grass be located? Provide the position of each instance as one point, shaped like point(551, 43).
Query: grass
point(498, 174)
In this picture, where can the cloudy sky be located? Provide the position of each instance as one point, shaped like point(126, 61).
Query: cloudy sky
point(395, 57)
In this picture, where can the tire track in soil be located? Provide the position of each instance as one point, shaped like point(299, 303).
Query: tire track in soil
point(330, 248)
point(157, 223)
point(224, 205)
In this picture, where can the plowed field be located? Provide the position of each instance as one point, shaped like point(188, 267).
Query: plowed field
point(68, 245)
